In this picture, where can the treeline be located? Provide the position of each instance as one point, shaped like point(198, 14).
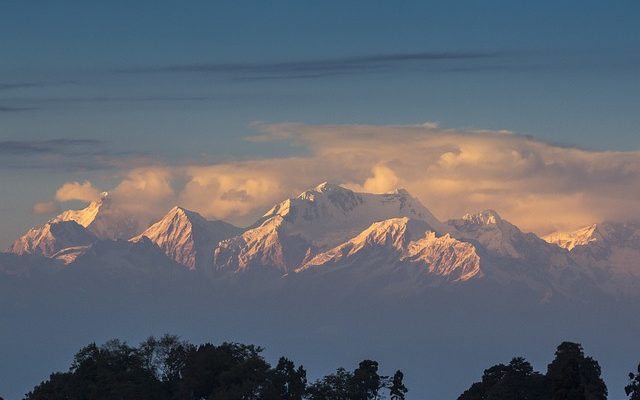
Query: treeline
point(169, 368)
point(570, 376)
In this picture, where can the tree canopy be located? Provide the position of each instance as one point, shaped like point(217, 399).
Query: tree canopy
point(570, 376)
point(170, 369)
point(633, 388)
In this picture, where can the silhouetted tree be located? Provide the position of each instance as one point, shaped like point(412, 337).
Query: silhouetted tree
point(633, 388)
point(228, 371)
point(111, 371)
point(365, 384)
point(515, 381)
point(574, 376)
point(331, 387)
point(170, 369)
point(285, 382)
point(58, 386)
point(397, 389)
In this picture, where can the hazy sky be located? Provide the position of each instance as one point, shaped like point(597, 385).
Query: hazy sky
point(94, 90)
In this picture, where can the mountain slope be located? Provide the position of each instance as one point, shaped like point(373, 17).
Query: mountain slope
point(511, 256)
point(104, 219)
point(318, 219)
point(497, 235)
point(609, 252)
point(77, 228)
point(123, 260)
point(401, 243)
point(580, 237)
point(330, 214)
point(48, 239)
point(188, 238)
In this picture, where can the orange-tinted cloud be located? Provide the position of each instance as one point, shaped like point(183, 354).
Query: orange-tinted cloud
point(537, 185)
point(77, 191)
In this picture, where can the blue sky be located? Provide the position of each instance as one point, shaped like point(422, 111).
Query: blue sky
point(182, 82)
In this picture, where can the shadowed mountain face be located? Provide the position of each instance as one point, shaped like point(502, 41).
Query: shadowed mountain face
point(321, 269)
point(52, 237)
point(609, 252)
point(187, 238)
point(104, 219)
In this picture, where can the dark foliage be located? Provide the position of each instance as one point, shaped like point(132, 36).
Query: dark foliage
point(397, 389)
point(574, 376)
point(570, 376)
point(111, 371)
point(285, 382)
point(170, 369)
point(514, 381)
point(633, 388)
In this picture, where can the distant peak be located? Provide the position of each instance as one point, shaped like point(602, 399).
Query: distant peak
point(580, 237)
point(177, 210)
point(325, 188)
point(105, 200)
point(328, 187)
point(486, 217)
point(401, 192)
point(183, 212)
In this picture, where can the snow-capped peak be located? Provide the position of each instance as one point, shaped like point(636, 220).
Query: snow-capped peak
point(486, 217)
point(178, 212)
point(329, 214)
point(84, 216)
point(608, 250)
point(104, 218)
point(327, 186)
point(494, 233)
point(400, 191)
point(187, 237)
point(48, 239)
point(403, 243)
point(393, 232)
point(602, 234)
point(580, 237)
point(316, 220)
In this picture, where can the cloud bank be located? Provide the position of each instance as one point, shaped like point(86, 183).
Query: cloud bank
point(540, 186)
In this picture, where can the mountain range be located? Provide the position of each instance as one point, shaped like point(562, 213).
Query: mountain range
point(330, 274)
point(330, 234)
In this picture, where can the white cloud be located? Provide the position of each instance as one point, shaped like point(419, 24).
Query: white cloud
point(383, 180)
point(77, 191)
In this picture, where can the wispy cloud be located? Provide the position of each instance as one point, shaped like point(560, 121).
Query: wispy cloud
point(124, 99)
point(18, 85)
point(223, 98)
point(11, 109)
point(319, 68)
point(34, 84)
point(67, 154)
point(52, 146)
